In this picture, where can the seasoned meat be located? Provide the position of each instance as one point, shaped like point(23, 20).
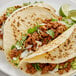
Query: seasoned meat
point(42, 35)
point(15, 53)
point(17, 6)
point(30, 69)
point(68, 67)
point(52, 66)
point(2, 19)
point(60, 18)
point(46, 67)
point(1, 36)
point(35, 36)
point(62, 28)
point(43, 28)
point(42, 65)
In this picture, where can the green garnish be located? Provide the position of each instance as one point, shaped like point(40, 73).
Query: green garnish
point(73, 64)
point(11, 9)
point(51, 33)
point(60, 67)
point(7, 14)
point(31, 30)
point(19, 44)
point(16, 62)
point(57, 66)
point(13, 47)
point(66, 64)
point(22, 40)
point(26, 4)
point(35, 28)
point(36, 66)
point(54, 20)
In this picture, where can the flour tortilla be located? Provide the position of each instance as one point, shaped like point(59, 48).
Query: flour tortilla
point(21, 20)
point(60, 54)
point(59, 50)
point(22, 66)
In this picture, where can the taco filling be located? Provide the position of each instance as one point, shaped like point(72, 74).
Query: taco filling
point(36, 37)
point(49, 67)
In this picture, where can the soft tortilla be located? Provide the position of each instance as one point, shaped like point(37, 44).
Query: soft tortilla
point(22, 66)
point(62, 53)
point(59, 50)
point(21, 20)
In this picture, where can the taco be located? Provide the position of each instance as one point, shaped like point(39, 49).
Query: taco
point(60, 61)
point(5, 14)
point(32, 30)
point(66, 68)
point(3, 17)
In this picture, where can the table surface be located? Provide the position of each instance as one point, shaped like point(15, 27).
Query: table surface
point(2, 2)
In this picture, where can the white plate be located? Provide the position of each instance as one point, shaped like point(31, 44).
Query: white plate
point(4, 65)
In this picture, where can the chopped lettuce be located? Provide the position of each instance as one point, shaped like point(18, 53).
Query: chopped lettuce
point(13, 46)
point(51, 33)
point(19, 43)
point(61, 67)
point(66, 64)
point(16, 61)
point(54, 20)
point(35, 28)
point(31, 30)
point(36, 66)
point(73, 64)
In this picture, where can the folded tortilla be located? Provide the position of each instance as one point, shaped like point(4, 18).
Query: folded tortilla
point(3, 17)
point(23, 19)
point(23, 67)
point(57, 51)
point(63, 48)
point(61, 54)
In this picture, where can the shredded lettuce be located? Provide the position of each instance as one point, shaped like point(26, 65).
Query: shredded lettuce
point(16, 62)
point(13, 46)
point(54, 20)
point(36, 66)
point(73, 64)
point(51, 33)
point(35, 28)
point(19, 44)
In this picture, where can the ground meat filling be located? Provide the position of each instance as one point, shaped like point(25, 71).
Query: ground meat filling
point(41, 36)
point(46, 67)
point(32, 69)
point(2, 19)
point(15, 53)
